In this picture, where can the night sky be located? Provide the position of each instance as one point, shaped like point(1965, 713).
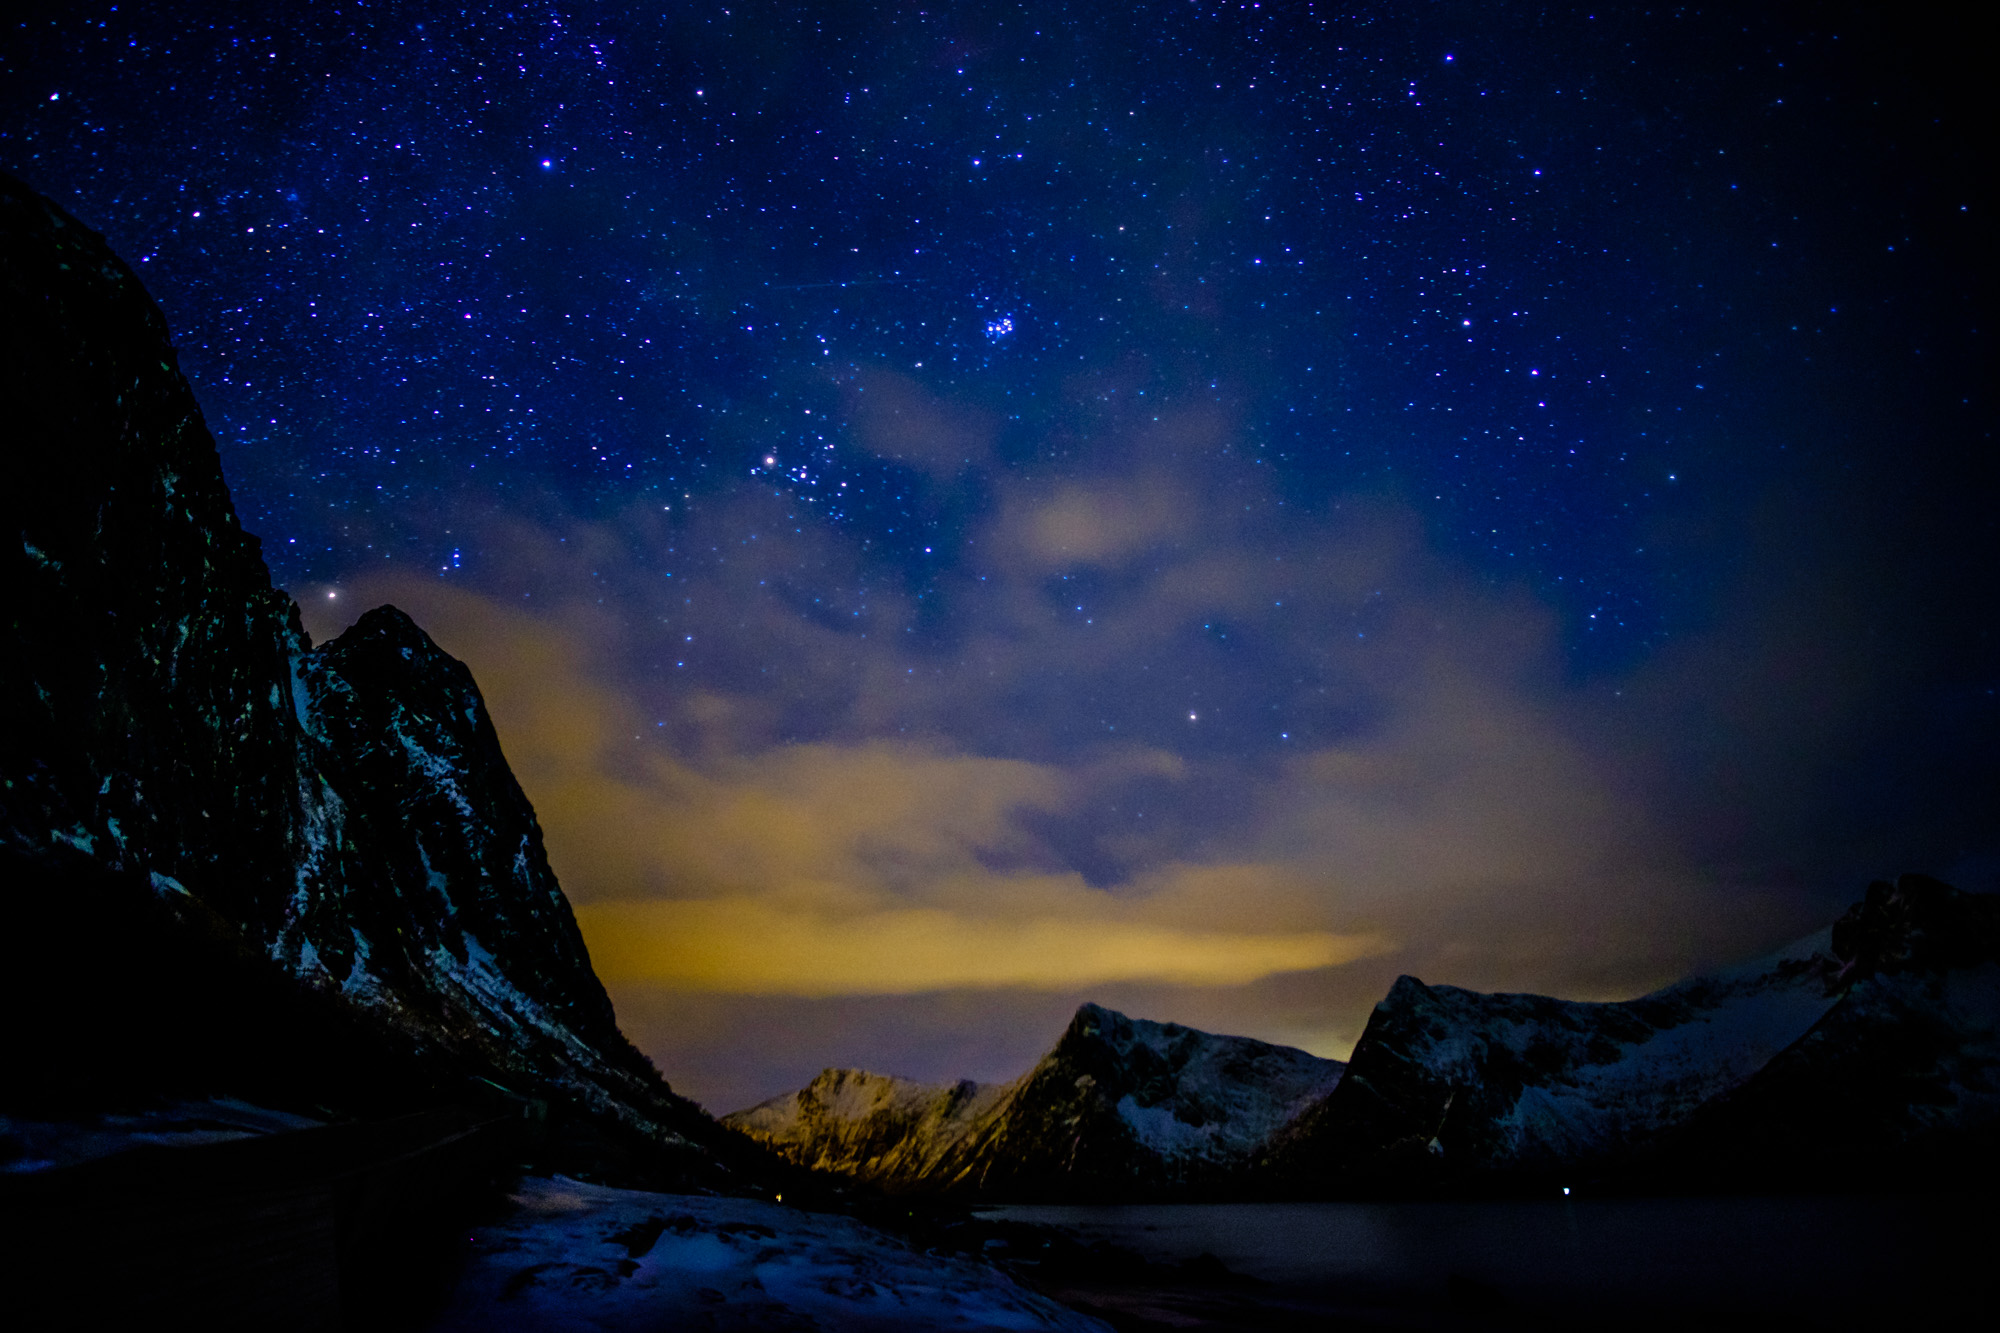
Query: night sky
point(960, 509)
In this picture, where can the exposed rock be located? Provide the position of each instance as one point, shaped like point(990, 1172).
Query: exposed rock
point(1120, 1108)
point(1873, 1035)
point(872, 1127)
point(1899, 1082)
point(178, 758)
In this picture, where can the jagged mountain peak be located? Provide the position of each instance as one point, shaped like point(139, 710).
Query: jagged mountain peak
point(853, 1093)
point(1916, 921)
point(344, 813)
point(873, 1127)
point(455, 859)
point(1118, 1107)
point(1894, 1006)
point(391, 624)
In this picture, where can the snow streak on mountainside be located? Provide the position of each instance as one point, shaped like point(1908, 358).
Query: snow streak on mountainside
point(1454, 1083)
point(346, 809)
point(1901, 1079)
point(884, 1130)
point(1120, 1108)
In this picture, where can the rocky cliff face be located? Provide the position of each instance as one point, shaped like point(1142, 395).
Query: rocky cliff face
point(1899, 1081)
point(343, 811)
point(872, 1127)
point(1893, 1009)
point(1120, 1108)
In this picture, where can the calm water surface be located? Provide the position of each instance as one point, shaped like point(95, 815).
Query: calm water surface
point(1824, 1257)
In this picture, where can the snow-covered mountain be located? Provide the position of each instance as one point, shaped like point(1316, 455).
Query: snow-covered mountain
point(1867, 1051)
point(1899, 1081)
point(183, 772)
point(1457, 1085)
point(873, 1127)
point(1119, 1108)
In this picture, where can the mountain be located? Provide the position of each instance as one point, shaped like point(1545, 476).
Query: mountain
point(1848, 1047)
point(1120, 1108)
point(884, 1130)
point(227, 856)
point(1900, 1080)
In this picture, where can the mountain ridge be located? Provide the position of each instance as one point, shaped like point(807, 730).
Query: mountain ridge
point(1118, 1106)
point(1703, 1083)
point(183, 766)
point(1866, 1053)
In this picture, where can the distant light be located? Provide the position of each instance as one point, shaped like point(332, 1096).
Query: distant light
point(1565, 1191)
point(1191, 717)
point(331, 595)
point(55, 97)
point(548, 162)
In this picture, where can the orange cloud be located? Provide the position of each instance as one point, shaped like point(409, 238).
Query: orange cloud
point(763, 948)
point(819, 804)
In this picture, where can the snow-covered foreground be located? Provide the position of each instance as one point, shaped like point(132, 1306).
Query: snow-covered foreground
point(39, 1145)
point(587, 1257)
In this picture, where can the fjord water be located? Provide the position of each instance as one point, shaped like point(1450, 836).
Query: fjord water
point(1813, 1257)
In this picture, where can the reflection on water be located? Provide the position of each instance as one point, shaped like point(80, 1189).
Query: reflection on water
point(1830, 1256)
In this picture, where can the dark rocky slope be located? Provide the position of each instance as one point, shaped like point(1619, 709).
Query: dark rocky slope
point(1119, 1109)
point(1855, 1052)
point(1899, 1082)
point(228, 857)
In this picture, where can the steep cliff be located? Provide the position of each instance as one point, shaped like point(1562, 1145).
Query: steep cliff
point(181, 771)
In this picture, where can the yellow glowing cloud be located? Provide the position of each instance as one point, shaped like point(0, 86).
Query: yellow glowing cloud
point(759, 948)
point(888, 857)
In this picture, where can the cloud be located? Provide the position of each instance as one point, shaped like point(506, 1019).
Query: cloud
point(760, 948)
point(1099, 523)
point(1160, 734)
point(821, 869)
point(895, 416)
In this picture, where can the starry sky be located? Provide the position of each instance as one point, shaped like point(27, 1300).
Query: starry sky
point(963, 508)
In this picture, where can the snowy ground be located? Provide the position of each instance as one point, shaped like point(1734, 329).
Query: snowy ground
point(40, 1145)
point(588, 1258)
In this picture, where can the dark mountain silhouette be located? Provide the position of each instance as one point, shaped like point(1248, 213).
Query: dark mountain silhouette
point(232, 861)
point(1864, 1055)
